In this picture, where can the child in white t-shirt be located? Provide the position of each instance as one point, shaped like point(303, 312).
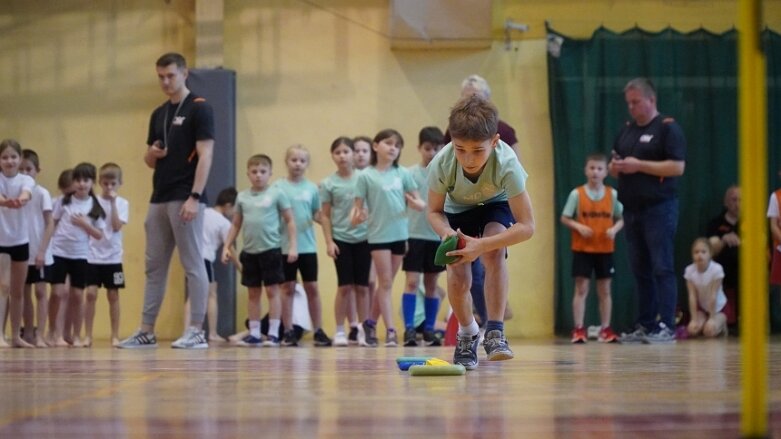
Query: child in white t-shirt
point(216, 227)
point(707, 300)
point(38, 215)
point(78, 218)
point(105, 256)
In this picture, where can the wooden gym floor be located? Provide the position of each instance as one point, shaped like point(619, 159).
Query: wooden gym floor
point(550, 390)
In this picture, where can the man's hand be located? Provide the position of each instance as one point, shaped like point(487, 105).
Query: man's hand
point(189, 210)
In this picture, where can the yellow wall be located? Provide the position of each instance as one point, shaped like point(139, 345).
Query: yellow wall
point(77, 83)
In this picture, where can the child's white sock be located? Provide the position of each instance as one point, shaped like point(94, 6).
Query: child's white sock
point(254, 328)
point(471, 329)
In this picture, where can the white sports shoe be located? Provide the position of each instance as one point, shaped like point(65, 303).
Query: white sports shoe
point(193, 338)
point(340, 339)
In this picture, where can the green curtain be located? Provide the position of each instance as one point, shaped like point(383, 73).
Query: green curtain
point(696, 78)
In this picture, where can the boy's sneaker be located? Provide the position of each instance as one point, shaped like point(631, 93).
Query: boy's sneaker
point(410, 337)
point(139, 340)
point(496, 346)
point(662, 335)
point(579, 335)
point(340, 339)
point(271, 342)
point(430, 339)
point(321, 340)
point(370, 335)
point(352, 337)
point(250, 341)
point(391, 339)
point(606, 335)
point(192, 338)
point(635, 337)
point(466, 350)
point(290, 339)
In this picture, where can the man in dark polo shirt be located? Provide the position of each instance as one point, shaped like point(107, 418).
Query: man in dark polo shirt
point(648, 157)
point(179, 149)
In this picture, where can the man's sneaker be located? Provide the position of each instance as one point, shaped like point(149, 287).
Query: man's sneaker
point(662, 335)
point(430, 339)
point(496, 346)
point(466, 350)
point(271, 342)
point(391, 339)
point(410, 337)
point(352, 337)
point(139, 340)
point(289, 339)
point(370, 335)
point(579, 335)
point(606, 335)
point(250, 341)
point(192, 338)
point(635, 337)
point(321, 340)
point(340, 339)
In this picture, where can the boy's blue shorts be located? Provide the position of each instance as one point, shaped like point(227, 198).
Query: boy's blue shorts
point(473, 221)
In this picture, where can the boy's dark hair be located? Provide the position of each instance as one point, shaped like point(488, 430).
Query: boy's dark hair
point(172, 58)
point(110, 171)
point(87, 171)
point(597, 157)
point(259, 159)
point(473, 118)
point(32, 157)
point(226, 196)
point(432, 135)
point(65, 180)
point(387, 134)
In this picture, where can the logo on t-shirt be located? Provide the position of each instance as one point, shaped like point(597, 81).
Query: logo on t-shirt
point(645, 138)
point(264, 202)
point(394, 185)
point(178, 121)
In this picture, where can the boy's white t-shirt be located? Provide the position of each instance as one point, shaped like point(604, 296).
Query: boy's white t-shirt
point(13, 230)
point(215, 231)
point(109, 249)
point(702, 280)
point(69, 240)
point(40, 202)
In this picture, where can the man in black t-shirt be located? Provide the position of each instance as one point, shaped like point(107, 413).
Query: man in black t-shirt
point(723, 235)
point(648, 157)
point(179, 149)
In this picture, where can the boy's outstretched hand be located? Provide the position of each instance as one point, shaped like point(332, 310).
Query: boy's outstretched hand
point(467, 250)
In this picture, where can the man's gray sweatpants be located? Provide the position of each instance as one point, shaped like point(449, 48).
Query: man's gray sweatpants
point(164, 230)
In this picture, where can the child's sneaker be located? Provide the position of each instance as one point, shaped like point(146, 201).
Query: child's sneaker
point(249, 341)
point(466, 350)
point(271, 342)
point(496, 346)
point(391, 339)
point(635, 337)
point(579, 335)
point(662, 335)
point(290, 339)
point(430, 339)
point(352, 337)
point(139, 340)
point(340, 339)
point(193, 338)
point(321, 340)
point(370, 335)
point(606, 335)
point(410, 337)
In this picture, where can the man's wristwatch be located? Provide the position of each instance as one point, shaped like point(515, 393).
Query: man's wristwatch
point(195, 196)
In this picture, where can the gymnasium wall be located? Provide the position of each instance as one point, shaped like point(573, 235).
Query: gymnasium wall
point(77, 82)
